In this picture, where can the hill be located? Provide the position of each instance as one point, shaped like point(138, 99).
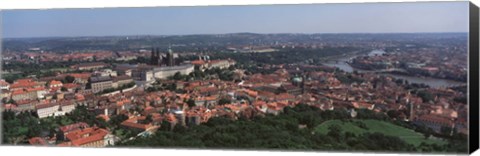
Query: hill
point(358, 127)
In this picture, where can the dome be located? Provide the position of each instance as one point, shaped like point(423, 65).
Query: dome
point(297, 79)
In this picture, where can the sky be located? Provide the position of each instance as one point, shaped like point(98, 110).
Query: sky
point(312, 18)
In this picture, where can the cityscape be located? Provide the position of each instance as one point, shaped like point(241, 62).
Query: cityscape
point(391, 92)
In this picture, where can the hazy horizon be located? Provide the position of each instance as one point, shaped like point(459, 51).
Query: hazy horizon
point(142, 35)
point(355, 18)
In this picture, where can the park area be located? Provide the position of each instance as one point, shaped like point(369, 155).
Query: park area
point(363, 126)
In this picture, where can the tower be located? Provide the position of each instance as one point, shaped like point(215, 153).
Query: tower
point(153, 57)
point(159, 60)
point(303, 83)
point(170, 60)
point(411, 108)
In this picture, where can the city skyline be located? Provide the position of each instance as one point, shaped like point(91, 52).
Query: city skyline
point(263, 19)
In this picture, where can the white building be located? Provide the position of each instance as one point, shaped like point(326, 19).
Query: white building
point(54, 109)
point(4, 85)
point(150, 73)
point(220, 64)
point(165, 72)
point(106, 72)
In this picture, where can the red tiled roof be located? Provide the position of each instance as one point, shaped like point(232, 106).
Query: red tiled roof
point(46, 105)
point(35, 89)
point(85, 136)
point(55, 82)
point(284, 96)
point(81, 75)
point(133, 122)
point(70, 85)
point(92, 64)
point(79, 97)
point(73, 127)
point(9, 106)
point(104, 117)
point(37, 141)
point(23, 83)
point(4, 83)
point(361, 105)
point(18, 92)
point(435, 119)
point(198, 62)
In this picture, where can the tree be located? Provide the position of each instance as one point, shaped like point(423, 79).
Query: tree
point(393, 113)
point(69, 79)
point(148, 118)
point(426, 135)
point(116, 120)
point(335, 131)
point(166, 126)
point(426, 96)
point(191, 103)
point(399, 81)
point(224, 101)
point(171, 87)
point(63, 89)
point(446, 131)
point(177, 76)
point(11, 101)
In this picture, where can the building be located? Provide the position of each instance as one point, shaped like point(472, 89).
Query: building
point(124, 69)
point(23, 94)
point(180, 115)
point(54, 108)
point(24, 84)
point(220, 63)
point(290, 89)
point(26, 105)
point(170, 60)
point(55, 84)
point(150, 73)
point(204, 63)
point(81, 78)
point(206, 101)
point(193, 118)
point(89, 66)
point(100, 83)
point(165, 72)
point(4, 85)
point(120, 81)
point(105, 72)
point(139, 124)
point(126, 58)
point(4, 93)
point(47, 109)
point(89, 137)
point(155, 70)
point(71, 87)
point(435, 122)
point(37, 141)
point(65, 130)
point(157, 60)
point(142, 73)
point(65, 107)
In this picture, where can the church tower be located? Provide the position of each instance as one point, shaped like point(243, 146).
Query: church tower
point(170, 59)
point(153, 57)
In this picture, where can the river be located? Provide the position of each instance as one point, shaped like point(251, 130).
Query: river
point(432, 82)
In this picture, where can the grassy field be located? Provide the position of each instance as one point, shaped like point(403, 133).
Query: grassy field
point(386, 128)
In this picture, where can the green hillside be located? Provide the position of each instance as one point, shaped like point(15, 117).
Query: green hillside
point(386, 128)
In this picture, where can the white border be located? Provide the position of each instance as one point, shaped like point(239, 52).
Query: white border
point(49, 4)
point(46, 4)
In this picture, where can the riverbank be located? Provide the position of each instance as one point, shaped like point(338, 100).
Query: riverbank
point(341, 63)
